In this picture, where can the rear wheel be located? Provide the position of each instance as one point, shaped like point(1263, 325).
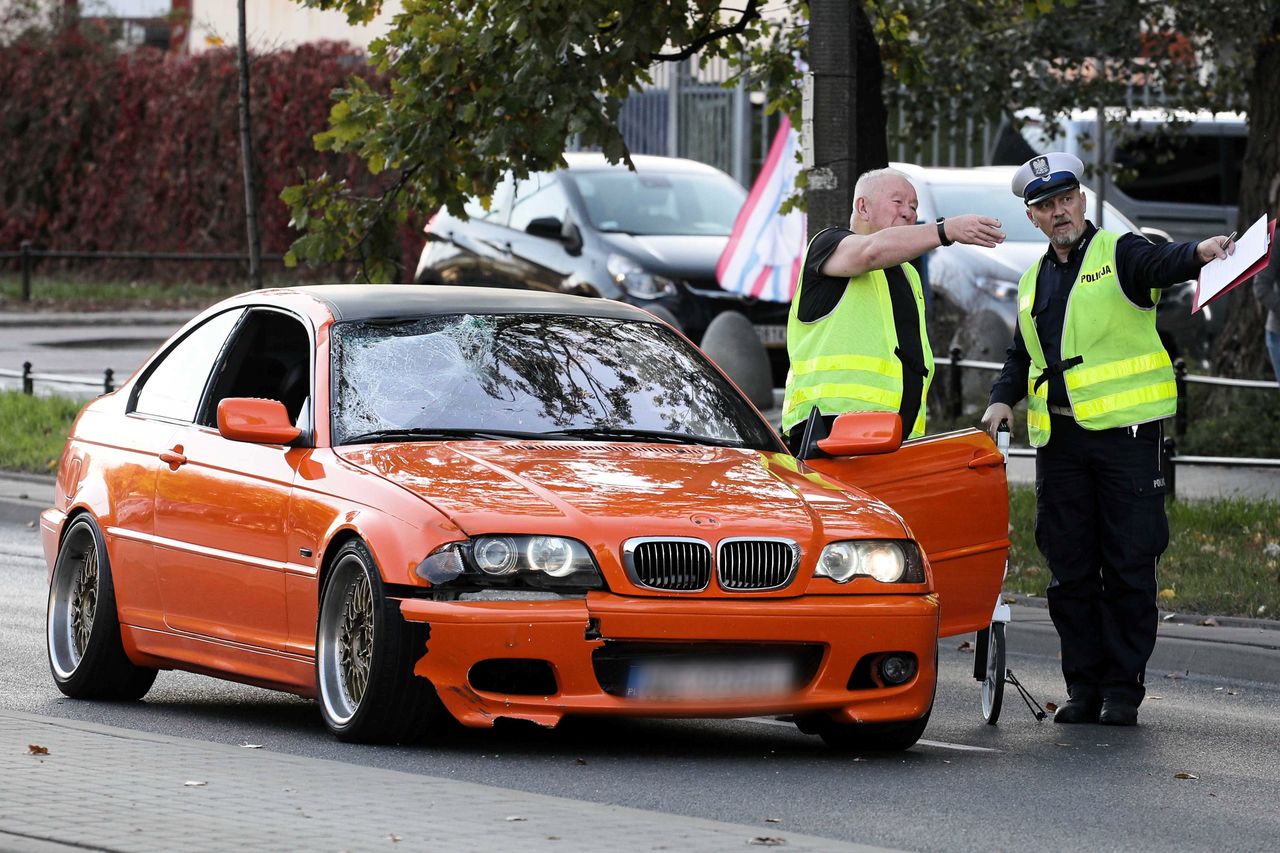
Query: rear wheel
point(365, 654)
point(993, 682)
point(86, 653)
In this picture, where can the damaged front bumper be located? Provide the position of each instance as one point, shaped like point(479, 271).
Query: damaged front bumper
point(585, 649)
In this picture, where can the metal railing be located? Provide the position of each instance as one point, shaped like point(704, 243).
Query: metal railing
point(955, 407)
point(28, 254)
point(29, 379)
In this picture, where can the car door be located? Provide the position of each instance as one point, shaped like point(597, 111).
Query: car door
point(542, 263)
point(951, 491)
point(222, 507)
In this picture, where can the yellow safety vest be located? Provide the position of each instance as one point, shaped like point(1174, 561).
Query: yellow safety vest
point(1125, 376)
point(844, 361)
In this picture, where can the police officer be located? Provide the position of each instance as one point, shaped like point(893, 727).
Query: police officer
point(1098, 381)
point(856, 333)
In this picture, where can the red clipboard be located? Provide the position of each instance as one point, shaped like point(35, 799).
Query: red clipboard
point(1257, 267)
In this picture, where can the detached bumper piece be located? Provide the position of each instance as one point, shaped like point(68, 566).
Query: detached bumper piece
point(609, 655)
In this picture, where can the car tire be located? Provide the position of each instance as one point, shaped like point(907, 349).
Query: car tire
point(82, 628)
point(868, 737)
point(365, 654)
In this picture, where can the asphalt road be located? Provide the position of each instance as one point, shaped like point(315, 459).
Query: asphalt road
point(966, 786)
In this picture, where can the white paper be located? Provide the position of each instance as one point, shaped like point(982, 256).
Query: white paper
point(1219, 273)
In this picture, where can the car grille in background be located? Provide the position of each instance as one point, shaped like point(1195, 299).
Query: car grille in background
point(754, 564)
point(679, 565)
point(684, 565)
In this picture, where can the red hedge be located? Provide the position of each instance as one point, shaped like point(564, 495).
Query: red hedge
point(103, 150)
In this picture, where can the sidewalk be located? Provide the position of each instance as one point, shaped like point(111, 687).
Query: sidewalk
point(105, 788)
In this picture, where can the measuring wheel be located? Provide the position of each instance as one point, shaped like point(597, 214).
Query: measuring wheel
point(990, 670)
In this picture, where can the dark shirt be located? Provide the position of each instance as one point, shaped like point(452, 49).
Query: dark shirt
point(1140, 266)
point(819, 294)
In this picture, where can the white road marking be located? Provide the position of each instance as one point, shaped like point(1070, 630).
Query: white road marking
point(937, 744)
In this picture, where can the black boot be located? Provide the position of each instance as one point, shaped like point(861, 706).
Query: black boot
point(1118, 712)
point(1083, 710)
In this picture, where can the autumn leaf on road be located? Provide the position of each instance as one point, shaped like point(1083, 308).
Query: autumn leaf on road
point(1185, 776)
point(36, 749)
point(966, 646)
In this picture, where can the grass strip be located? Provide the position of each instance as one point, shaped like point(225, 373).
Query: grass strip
point(1223, 556)
point(33, 431)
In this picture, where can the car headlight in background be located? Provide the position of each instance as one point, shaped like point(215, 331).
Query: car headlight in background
point(887, 561)
point(515, 560)
point(636, 280)
point(998, 288)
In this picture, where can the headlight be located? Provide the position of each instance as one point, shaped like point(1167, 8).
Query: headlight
point(998, 288)
point(884, 560)
point(515, 560)
point(636, 280)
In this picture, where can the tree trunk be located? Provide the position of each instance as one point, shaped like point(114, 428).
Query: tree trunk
point(1240, 350)
point(246, 158)
point(849, 115)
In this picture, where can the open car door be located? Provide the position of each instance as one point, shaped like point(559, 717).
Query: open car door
point(951, 491)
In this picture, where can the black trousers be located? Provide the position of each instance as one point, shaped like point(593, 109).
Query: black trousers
point(1101, 525)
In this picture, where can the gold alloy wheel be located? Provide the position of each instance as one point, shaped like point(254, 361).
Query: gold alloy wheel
point(84, 602)
point(355, 640)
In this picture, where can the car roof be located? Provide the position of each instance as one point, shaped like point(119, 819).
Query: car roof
point(582, 161)
point(975, 175)
point(385, 301)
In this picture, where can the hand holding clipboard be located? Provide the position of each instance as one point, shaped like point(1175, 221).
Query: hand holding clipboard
point(1249, 258)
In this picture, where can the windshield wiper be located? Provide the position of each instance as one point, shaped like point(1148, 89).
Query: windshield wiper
point(429, 433)
point(652, 435)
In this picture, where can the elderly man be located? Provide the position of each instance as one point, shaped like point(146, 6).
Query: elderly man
point(1098, 381)
point(856, 332)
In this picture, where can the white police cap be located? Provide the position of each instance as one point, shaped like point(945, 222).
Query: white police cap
point(1047, 175)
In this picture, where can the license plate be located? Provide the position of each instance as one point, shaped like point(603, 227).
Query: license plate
point(772, 336)
point(702, 679)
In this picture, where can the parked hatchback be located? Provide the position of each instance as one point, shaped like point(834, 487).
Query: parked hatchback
point(650, 237)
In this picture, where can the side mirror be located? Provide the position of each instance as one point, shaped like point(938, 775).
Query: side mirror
point(546, 227)
point(255, 420)
point(1157, 236)
point(863, 434)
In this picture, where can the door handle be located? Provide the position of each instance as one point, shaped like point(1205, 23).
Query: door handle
point(174, 457)
point(986, 460)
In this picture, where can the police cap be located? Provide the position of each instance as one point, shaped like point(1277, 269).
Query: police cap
point(1047, 175)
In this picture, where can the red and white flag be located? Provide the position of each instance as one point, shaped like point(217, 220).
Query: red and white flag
point(765, 248)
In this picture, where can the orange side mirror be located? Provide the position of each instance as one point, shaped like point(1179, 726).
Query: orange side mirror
point(863, 434)
point(256, 420)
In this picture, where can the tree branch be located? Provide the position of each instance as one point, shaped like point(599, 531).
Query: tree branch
point(751, 13)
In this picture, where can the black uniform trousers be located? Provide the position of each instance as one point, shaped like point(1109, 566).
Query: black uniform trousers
point(1101, 525)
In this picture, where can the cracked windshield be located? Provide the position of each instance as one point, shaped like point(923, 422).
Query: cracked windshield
point(555, 377)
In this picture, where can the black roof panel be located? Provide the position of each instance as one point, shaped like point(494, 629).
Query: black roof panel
point(385, 301)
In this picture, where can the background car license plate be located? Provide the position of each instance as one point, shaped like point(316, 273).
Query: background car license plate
point(772, 336)
point(707, 679)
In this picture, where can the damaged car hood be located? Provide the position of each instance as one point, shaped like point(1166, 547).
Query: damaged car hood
point(486, 486)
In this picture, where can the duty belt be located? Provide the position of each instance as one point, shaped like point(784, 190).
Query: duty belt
point(1057, 368)
point(1061, 410)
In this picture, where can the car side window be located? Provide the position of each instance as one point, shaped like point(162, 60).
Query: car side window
point(174, 386)
point(537, 196)
point(499, 203)
point(269, 357)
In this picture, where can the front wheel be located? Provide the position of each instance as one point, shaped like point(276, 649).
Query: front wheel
point(86, 652)
point(365, 653)
point(867, 737)
point(993, 682)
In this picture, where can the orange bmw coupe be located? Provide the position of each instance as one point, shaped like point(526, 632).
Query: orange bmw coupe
point(417, 502)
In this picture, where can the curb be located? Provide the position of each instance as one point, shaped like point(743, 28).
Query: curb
point(1166, 616)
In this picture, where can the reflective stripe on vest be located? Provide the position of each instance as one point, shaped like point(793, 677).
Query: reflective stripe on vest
point(839, 362)
point(1126, 376)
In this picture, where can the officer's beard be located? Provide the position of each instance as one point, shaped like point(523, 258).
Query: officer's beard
point(1064, 239)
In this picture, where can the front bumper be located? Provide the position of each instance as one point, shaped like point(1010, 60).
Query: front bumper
point(567, 634)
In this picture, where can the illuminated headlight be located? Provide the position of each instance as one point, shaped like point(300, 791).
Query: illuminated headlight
point(636, 280)
point(884, 560)
point(999, 288)
point(513, 560)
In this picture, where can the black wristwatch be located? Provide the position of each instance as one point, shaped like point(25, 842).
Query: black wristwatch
point(942, 232)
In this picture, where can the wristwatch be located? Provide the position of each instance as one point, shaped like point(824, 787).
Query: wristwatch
point(942, 232)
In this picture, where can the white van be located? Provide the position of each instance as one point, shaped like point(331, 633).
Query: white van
point(1180, 171)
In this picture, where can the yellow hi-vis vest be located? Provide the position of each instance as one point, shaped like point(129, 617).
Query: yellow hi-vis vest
point(1124, 376)
point(844, 361)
